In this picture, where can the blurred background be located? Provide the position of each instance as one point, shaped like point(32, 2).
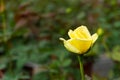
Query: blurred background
point(30, 48)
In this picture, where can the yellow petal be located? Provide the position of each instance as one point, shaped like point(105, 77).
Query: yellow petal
point(77, 45)
point(82, 32)
point(94, 37)
point(69, 47)
point(71, 34)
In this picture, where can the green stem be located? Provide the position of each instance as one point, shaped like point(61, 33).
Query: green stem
point(81, 66)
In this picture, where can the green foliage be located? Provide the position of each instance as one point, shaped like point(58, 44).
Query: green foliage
point(115, 54)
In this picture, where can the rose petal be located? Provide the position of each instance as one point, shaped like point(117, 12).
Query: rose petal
point(77, 45)
point(69, 47)
point(71, 34)
point(94, 37)
point(82, 32)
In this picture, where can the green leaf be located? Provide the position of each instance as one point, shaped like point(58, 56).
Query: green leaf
point(66, 62)
point(115, 54)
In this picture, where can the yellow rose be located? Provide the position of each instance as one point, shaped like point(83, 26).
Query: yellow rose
point(80, 40)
